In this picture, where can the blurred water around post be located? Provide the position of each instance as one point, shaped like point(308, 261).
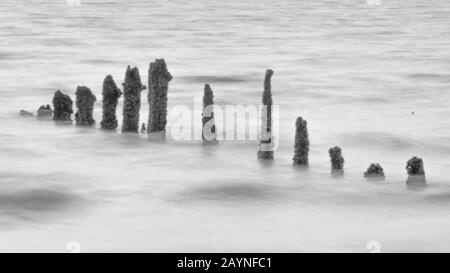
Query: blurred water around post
point(373, 80)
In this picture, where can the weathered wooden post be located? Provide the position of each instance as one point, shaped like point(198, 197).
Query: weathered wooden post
point(337, 161)
point(158, 86)
point(265, 145)
point(301, 151)
point(416, 172)
point(85, 100)
point(44, 112)
point(374, 172)
point(62, 107)
point(132, 88)
point(111, 94)
point(208, 124)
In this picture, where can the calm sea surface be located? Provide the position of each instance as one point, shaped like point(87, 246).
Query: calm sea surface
point(374, 80)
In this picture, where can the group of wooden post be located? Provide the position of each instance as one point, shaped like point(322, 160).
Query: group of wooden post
point(158, 84)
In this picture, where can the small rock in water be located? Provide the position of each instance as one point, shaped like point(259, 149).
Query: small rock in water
point(62, 105)
point(375, 171)
point(416, 172)
point(44, 112)
point(24, 113)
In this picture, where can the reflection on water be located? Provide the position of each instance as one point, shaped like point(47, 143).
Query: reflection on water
point(230, 191)
point(35, 201)
point(370, 79)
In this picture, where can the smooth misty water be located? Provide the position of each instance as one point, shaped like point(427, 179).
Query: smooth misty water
point(355, 72)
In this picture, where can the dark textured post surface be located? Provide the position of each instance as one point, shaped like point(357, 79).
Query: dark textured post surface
point(85, 103)
point(111, 94)
point(158, 82)
point(416, 171)
point(337, 161)
point(62, 105)
point(301, 150)
point(209, 137)
point(265, 144)
point(132, 88)
point(374, 171)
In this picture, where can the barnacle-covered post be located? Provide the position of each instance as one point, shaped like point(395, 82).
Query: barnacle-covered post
point(375, 171)
point(62, 107)
point(337, 161)
point(265, 145)
point(208, 125)
point(85, 103)
point(416, 172)
point(132, 88)
point(111, 94)
point(158, 86)
point(301, 149)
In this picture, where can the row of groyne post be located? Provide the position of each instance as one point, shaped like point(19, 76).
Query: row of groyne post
point(158, 86)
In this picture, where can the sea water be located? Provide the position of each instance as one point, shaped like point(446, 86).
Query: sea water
point(372, 79)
